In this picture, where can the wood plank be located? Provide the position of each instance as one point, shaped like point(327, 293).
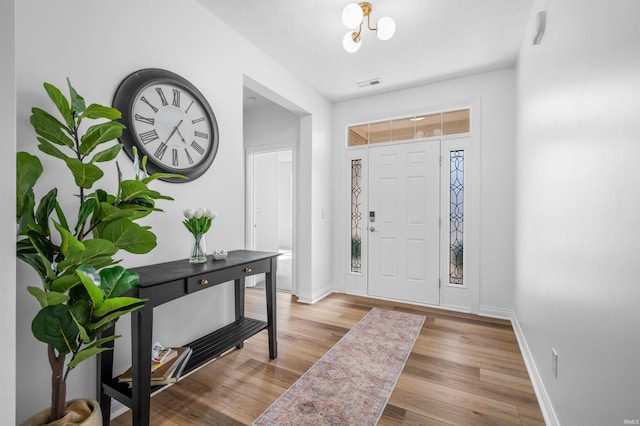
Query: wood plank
point(463, 369)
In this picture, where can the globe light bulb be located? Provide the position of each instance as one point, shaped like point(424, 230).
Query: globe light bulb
point(386, 28)
point(349, 44)
point(352, 15)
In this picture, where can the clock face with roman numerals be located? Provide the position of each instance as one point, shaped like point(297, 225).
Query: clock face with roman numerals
point(169, 121)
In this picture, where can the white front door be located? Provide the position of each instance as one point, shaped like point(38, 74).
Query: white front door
point(404, 222)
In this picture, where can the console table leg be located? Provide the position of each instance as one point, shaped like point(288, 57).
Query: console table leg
point(141, 336)
point(239, 296)
point(104, 365)
point(270, 291)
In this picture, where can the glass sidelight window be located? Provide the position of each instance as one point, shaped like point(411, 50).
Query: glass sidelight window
point(456, 217)
point(356, 215)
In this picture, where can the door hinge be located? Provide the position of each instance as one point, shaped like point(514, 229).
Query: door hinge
point(439, 282)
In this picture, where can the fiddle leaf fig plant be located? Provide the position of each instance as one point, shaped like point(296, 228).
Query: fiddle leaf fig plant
point(82, 289)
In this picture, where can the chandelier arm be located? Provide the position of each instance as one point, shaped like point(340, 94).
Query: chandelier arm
point(369, 23)
point(357, 36)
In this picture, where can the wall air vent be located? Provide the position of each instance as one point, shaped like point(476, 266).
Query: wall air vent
point(374, 82)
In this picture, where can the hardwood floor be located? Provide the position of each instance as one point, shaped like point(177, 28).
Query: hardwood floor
point(463, 369)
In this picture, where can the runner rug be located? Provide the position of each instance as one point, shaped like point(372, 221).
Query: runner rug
point(352, 383)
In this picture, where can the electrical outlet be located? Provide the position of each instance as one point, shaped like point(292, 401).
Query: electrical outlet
point(554, 362)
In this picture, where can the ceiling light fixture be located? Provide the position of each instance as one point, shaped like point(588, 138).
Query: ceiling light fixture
point(353, 17)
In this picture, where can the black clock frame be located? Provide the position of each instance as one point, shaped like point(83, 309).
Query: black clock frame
point(124, 100)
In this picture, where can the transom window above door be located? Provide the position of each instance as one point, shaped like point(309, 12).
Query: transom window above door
point(413, 127)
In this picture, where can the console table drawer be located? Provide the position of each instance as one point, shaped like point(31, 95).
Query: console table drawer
point(200, 282)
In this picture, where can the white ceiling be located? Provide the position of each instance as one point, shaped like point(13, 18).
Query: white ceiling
point(435, 40)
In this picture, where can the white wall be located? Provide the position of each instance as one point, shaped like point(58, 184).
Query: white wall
point(496, 93)
point(7, 214)
point(578, 197)
point(96, 49)
point(270, 125)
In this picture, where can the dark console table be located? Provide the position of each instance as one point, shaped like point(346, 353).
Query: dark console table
point(165, 282)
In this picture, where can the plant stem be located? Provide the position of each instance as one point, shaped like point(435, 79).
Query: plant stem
point(58, 384)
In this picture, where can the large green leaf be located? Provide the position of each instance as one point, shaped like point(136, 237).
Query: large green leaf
point(43, 246)
point(110, 213)
point(47, 298)
point(132, 189)
point(145, 243)
point(28, 170)
point(81, 313)
point(50, 149)
point(155, 176)
point(116, 304)
point(117, 280)
point(64, 283)
point(90, 351)
point(106, 321)
point(28, 254)
point(85, 175)
point(81, 310)
point(108, 154)
point(61, 103)
point(90, 279)
point(95, 249)
point(95, 111)
point(98, 134)
point(122, 232)
point(86, 208)
point(46, 206)
point(77, 101)
point(61, 217)
point(69, 245)
point(55, 326)
point(50, 128)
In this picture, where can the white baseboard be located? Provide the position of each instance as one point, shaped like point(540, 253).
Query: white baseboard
point(488, 311)
point(117, 408)
point(546, 407)
point(310, 299)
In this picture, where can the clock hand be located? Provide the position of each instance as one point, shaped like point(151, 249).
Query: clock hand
point(181, 137)
point(174, 130)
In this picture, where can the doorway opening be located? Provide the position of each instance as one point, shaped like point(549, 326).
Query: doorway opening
point(270, 209)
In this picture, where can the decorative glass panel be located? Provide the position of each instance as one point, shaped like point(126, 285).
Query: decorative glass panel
point(356, 216)
point(403, 129)
point(456, 217)
point(358, 135)
point(454, 122)
point(428, 125)
point(380, 132)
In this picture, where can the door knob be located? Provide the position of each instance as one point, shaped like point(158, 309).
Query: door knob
point(372, 229)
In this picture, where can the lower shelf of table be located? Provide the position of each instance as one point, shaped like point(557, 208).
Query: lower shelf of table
point(204, 349)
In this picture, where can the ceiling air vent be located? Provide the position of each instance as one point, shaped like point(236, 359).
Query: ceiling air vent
point(374, 82)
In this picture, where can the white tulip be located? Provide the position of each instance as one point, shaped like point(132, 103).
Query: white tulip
point(210, 214)
point(188, 213)
point(199, 213)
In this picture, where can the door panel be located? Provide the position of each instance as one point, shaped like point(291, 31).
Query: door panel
point(404, 242)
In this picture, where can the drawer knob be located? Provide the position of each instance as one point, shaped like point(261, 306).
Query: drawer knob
point(248, 270)
point(204, 282)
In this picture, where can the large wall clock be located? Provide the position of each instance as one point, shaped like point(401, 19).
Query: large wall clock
point(169, 121)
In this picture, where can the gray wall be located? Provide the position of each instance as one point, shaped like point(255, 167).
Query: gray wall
point(7, 214)
point(578, 197)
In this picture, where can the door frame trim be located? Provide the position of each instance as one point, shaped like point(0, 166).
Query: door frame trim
point(249, 153)
point(357, 283)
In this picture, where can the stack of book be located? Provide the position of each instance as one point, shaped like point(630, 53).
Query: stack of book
point(165, 369)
